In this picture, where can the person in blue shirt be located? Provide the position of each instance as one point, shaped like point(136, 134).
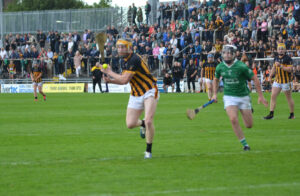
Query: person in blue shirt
point(247, 7)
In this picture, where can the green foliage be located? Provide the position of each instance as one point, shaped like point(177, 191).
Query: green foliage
point(33, 5)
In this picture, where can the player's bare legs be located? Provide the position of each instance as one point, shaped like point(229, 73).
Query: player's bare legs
point(232, 112)
point(247, 118)
point(288, 95)
point(41, 92)
point(34, 91)
point(275, 93)
point(132, 118)
point(209, 90)
point(150, 108)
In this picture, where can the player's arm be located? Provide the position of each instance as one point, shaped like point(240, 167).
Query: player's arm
point(117, 78)
point(32, 77)
point(273, 70)
point(289, 68)
point(261, 98)
point(195, 72)
point(39, 76)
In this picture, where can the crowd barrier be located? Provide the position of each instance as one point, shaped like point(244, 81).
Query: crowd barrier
point(76, 88)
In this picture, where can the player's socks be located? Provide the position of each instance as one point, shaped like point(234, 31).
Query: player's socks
point(143, 123)
point(149, 148)
point(291, 115)
point(44, 97)
point(35, 98)
point(269, 116)
point(244, 143)
point(143, 129)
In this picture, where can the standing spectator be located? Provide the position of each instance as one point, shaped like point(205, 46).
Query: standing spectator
point(55, 61)
point(167, 81)
point(57, 42)
point(69, 57)
point(11, 69)
point(77, 63)
point(134, 12)
point(248, 7)
point(52, 40)
point(155, 53)
point(84, 37)
point(97, 76)
point(177, 74)
point(140, 16)
point(41, 38)
point(129, 15)
point(147, 11)
point(190, 73)
point(49, 53)
point(264, 30)
point(219, 28)
point(76, 39)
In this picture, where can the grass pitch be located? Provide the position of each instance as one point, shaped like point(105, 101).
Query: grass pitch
point(78, 144)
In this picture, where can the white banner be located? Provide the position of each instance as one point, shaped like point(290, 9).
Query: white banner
point(112, 88)
point(16, 88)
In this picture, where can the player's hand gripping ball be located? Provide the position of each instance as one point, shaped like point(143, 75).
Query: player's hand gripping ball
point(105, 66)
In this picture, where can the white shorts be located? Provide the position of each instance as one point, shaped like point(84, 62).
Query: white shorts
point(207, 80)
point(138, 102)
point(243, 103)
point(38, 84)
point(284, 87)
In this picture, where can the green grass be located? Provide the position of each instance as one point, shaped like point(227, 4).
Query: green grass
point(78, 144)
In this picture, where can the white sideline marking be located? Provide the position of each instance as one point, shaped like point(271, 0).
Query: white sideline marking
point(139, 157)
point(219, 188)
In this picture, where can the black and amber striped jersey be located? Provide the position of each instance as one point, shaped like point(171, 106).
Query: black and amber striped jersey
point(142, 80)
point(36, 71)
point(281, 76)
point(96, 72)
point(209, 70)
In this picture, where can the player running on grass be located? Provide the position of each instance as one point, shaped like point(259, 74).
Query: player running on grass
point(208, 72)
point(144, 92)
point(235, 76)
point(282, 69)
point(36, 77)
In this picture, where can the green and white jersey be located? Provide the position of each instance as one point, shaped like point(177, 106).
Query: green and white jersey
point(235, 78)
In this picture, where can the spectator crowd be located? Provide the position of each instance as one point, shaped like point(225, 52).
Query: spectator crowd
point(183, 36)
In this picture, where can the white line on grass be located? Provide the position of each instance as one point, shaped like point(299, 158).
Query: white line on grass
point(68, 161)
point(219, 188)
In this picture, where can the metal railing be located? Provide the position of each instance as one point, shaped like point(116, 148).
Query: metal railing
point(60, 20)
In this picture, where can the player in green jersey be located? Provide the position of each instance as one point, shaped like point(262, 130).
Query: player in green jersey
point(235, 75)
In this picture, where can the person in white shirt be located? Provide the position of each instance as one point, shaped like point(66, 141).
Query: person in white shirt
point(49, 53)
point(173, 41)
point(3, 53)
